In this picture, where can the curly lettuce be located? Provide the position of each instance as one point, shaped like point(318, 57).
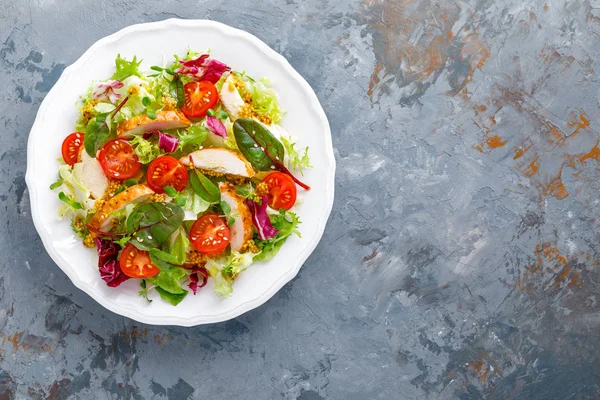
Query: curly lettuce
point(295, 159)
point(145, 149)
point(125, 69)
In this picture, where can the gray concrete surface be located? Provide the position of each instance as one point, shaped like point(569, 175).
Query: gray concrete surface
point(461, 258)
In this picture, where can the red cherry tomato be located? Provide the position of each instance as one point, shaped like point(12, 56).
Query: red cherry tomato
point(199, 97)
point(136, 263)
point(210, 234)
point(282, 190)
point(71, 146)
point(166, 171)
point(118, 160)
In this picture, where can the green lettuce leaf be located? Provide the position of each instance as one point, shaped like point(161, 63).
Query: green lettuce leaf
point(126, 68)
point(145, 149)
point(294, 159)
point(286, 222)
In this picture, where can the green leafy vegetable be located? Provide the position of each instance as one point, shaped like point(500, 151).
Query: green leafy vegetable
point(177, 90)
point(98, 130)
point(146, 101)
point(131, 182)
point(210, 112)
point(56, 184)
point(145, 290)
point(177, 247)
point(180, 199)
point(172, 298)
point(264, 98)
point(126, 68)
point(123, 240)
point(227, 211)
point(151, 113)
point(286, 227)
point(204, 187)
point(295, 160)
point(247, 191)
point(152, 223)
point(193, 202)
point(192, 138)
point(257, 144)
point(169, 280)
point(145, 149)
point(70, 201)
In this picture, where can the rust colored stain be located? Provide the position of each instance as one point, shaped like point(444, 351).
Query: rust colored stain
point(532, 168)
point(480, 109)
point(546, 7)
point(579, 123)
point(482, 368)
point(557, 188)
point(374, 80)
point(551, 270)
point(495, 141)
point(520, 151)
point(20, 341)
point(593, 153)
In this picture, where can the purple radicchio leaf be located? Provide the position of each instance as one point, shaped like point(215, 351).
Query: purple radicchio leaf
point(108, 263)
point(203, 69)
point(260, 218)
point(167, 143)
point(194, 278)
point(106, 91)
point(215, 125)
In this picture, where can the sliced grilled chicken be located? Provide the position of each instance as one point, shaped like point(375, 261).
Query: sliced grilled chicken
point(91, 175)
point(230, 97)
point(241, 230)
point(164, 120)
point(101, 220)
point(220, 161)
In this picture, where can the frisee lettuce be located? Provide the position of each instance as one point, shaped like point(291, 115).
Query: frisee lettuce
point(294, 159)
point(145, 149)
point(125, 69)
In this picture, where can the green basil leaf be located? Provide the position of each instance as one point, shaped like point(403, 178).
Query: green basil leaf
point(174, 299)
point(131, 182)
point(257, 144)
point(203, 187)
point(146, 101)
point(153, 223)
point(96, 135)
point(69, 200)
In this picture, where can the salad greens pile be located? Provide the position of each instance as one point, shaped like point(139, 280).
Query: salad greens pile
point(180, 175)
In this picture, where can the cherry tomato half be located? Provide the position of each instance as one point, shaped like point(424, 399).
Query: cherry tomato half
point(118, 160)
point(166, 171)
point(71, 146)
point(136, 263)
point(282, 190)
point(199, 97)
point(210, 234)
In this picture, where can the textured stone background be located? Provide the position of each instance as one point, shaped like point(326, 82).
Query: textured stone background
point(460, 260)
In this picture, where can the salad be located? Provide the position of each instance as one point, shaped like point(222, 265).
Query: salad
point(180, 174)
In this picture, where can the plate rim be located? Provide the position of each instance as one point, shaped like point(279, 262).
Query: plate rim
point(134, 313)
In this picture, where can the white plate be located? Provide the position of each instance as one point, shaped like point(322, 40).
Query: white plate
point(305, 119)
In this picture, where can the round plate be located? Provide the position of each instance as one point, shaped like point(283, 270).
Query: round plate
point(155, 42)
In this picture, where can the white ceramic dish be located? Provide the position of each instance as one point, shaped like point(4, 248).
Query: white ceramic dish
point(305, 119)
